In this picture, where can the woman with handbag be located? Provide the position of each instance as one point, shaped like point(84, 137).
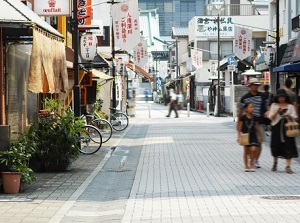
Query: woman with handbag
point(249, 136)
point(282, 146)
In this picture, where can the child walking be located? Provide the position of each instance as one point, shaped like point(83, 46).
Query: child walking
point(248, 123)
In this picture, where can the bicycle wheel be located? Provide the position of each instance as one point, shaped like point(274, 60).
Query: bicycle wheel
point(119, 121)
point(104, 128)
point(90, 140)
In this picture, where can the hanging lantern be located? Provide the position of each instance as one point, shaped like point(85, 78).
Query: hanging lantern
point(88, 46)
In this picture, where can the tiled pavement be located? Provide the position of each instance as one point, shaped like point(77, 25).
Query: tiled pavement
point(163, 170)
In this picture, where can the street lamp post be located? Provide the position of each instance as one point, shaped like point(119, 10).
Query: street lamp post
point(76, 94)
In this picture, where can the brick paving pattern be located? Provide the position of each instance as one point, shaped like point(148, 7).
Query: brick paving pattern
point(163, 170)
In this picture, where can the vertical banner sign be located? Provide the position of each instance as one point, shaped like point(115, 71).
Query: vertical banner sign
point(242, 46)
point(84, 14)
point(140, 53)
point(197, 58)
point(88, 46)
point(269, 55)
point(126, 24)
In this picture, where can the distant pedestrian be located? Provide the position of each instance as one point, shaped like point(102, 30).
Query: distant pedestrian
point(173, 103)
point(179, 100)
point(292, 95)
point(281, 145)
point(146, 93)
point(260, 107)
point(248, 123)
point(270, 98)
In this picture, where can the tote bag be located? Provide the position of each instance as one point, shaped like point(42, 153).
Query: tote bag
point(292, 128)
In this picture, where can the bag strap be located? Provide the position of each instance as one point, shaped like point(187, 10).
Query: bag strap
point(249, 126)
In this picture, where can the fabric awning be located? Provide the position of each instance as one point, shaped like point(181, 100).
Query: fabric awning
point(101, 77)
point(140, 70)
point(48, 66)
point(287, 68)
point(14, 14)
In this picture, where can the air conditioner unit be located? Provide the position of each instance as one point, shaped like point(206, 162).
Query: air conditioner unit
point(296, 23)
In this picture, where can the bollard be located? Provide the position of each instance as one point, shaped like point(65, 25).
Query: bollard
point(188, 109)
point(234, 111)
point(207, 109)
point(149, 106)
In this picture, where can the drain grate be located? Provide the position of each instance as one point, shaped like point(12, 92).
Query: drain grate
point(281, 198)
point(117, 171)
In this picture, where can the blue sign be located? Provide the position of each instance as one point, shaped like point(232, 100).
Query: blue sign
point(231, 60)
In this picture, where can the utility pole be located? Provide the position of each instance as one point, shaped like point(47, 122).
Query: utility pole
point(277, 43)
point(113, 54)
point(177, 65)
point(76, 94)
point(218, 90)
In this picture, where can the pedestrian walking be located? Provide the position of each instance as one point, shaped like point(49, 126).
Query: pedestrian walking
point(292, 95)
point(260, 108)
point(179, 100)
point(173, 103)
point(146, 93)
point(248, 124)
point(270, 98)
point(281, 145)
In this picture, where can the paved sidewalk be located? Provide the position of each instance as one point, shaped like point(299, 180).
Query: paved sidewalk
point(163, 170)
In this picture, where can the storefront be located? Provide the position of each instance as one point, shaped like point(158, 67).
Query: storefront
point(32, 61)
point(290, 64)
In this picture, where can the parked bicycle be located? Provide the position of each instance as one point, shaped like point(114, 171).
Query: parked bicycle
point(118, 120)
point(103, 126)
point(90, 140)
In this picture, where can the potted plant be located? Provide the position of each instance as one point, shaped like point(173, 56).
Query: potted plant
point(57, 146)
point(51, 105)
point(16, 159)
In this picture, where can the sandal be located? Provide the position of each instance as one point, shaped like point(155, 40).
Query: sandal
point(288, 170)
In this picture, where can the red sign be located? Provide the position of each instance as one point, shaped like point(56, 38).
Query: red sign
point(84, 14)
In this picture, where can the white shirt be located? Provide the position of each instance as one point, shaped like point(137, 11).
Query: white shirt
point(274, 108)
point(173, 96)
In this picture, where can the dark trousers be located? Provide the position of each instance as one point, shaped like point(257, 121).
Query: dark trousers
point(173, 106)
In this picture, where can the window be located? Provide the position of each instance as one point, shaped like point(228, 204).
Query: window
point(226, 48)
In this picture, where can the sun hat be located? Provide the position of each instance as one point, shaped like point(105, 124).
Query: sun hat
point(253, 81)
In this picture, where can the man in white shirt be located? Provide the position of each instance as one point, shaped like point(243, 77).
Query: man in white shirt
point(173, 103)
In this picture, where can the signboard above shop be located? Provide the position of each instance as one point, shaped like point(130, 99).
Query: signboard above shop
point(52, 7)
point(207, 26)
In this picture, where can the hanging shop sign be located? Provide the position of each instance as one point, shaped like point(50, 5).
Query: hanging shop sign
point(196, 58)
point(269, 55)
point(207, 26)
point(126, 24)
point(242, 42)
point(88, 46)
point(84, 14)
point(140, 53)
point(52, 7)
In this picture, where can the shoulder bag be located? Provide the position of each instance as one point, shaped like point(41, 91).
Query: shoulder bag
point(245, 137)
point(291, 128)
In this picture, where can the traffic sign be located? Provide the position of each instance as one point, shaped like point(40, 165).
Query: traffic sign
point(231, 60)
point(231, 68)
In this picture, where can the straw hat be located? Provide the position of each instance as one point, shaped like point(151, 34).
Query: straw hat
point(253, 81)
